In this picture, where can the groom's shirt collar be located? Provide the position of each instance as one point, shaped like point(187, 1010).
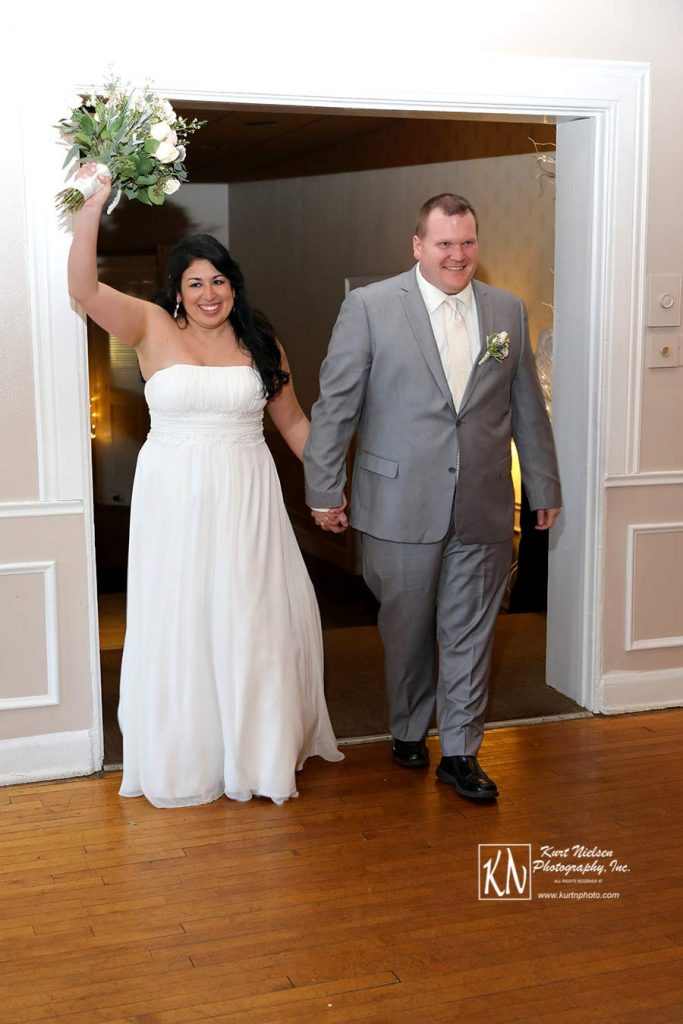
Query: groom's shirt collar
point(433, 296)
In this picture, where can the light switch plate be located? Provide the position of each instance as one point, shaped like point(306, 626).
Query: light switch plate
point(664, 300)
point(663, 350)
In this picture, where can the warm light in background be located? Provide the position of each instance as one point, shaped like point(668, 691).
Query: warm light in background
point(516, 482)
point(93, 416)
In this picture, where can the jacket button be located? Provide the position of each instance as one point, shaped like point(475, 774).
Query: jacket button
point(451, 469)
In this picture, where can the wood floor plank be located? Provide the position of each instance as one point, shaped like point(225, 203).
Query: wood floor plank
point(358, 901)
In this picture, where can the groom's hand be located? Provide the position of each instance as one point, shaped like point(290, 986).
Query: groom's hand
point(334, 520)
point(545, 517)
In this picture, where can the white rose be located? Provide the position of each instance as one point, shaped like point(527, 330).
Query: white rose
point(160, 130)
point(166, 153)
point(171, 185)
point(167, 111)
point(181, 152)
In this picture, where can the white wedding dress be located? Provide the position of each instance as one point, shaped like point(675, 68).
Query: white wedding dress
point(222, 672)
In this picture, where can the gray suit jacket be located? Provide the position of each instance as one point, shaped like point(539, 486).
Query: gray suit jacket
point(383, 376)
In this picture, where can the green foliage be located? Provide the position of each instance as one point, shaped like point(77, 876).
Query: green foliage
point(114, 128)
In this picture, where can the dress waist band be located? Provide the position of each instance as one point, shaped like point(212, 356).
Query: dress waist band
point(230, 428)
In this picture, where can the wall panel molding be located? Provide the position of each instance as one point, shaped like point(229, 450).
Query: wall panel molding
point(50, 696)
point(653, 479)
point(636, 530)
point(31, 509)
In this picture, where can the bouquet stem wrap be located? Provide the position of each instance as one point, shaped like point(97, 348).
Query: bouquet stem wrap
point(90, 185)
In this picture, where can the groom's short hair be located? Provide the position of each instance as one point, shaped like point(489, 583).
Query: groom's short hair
point(450, 204)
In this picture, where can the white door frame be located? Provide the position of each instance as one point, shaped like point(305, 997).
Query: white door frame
point(615, 96)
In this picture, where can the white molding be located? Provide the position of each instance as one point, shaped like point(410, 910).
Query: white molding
point(657, 478)
point(648, 643)
point(640, 691)
point(51, 696)
point(57, 755)
point(58, 334)
point(604, 271)
point(496, 83)
point(97, 736)
point(59, 338)
point(656, 643)
point(31, 509)
point(641, 125)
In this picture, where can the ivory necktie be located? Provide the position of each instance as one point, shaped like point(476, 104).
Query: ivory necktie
point(459, 352)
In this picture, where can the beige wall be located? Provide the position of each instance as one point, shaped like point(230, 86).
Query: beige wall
point(326, 228)
point(260, 50)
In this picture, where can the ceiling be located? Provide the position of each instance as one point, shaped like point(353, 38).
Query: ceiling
point(239, 145)
point(253, 144)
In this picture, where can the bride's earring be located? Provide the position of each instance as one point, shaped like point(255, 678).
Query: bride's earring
point(175, 311)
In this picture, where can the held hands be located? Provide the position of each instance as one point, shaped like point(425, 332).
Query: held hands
point(334, 520)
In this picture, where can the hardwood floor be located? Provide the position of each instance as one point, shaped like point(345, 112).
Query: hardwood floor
point(358, 901)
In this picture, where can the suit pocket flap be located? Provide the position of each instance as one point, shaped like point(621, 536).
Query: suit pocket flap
point(385, 467)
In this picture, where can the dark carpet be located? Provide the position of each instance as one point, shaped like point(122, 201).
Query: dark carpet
point(354, 680)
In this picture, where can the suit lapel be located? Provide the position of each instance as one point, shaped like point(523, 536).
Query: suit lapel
point(418, 318)
point(486, 325)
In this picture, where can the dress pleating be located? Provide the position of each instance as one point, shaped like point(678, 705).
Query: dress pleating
point(222, 671)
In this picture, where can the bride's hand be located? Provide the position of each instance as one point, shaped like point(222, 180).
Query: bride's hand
point(98, 200)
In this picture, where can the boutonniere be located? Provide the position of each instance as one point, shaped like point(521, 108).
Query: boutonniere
point(497, 347)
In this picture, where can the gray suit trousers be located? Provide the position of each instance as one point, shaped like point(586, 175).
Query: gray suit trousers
point(447, 593)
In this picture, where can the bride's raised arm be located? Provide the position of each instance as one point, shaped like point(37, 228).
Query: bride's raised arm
point(124, 316)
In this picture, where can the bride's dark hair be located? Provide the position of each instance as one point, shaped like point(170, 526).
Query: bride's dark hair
point(252, 328)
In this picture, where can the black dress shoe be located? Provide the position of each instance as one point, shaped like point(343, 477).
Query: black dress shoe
point(410, 753)
point(468, 777)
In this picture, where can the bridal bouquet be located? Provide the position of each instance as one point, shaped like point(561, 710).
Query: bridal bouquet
point(134, 137)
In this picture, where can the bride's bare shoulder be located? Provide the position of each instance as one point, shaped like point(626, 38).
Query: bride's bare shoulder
point(159, 323)
point(160, 335)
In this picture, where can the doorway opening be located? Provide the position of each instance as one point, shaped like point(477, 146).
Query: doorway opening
point(324, 184)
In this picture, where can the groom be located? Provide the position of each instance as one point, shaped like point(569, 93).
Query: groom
point(435, 371)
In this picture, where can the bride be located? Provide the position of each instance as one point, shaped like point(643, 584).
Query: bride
point(222, 672)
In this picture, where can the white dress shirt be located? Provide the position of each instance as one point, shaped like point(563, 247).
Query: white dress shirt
point(437, 307)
